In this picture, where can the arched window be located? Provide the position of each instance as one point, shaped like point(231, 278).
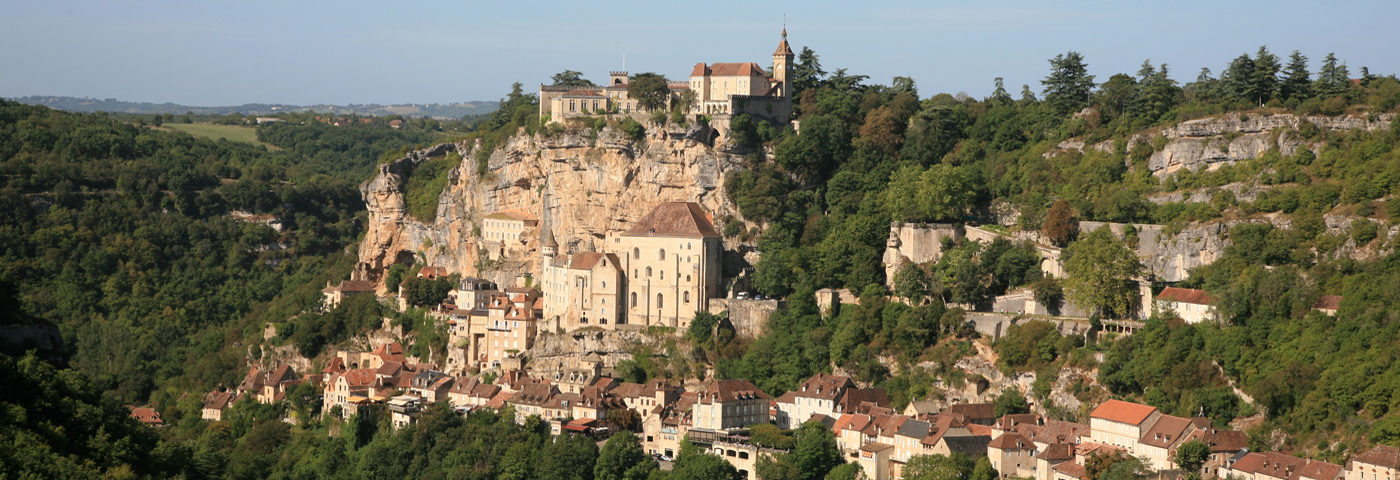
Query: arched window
point(634, 299)
point(687, 278)
point(648, 271)
point(663, 274)
point(659, 301)
point(663, 255)
point(685, 296)
point(605, 284)
point(636, 252)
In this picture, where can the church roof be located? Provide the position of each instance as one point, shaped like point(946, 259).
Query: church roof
point(783, 48)
point(675, 219)
point(549, 239)
point(586, 260)
point(745, 69)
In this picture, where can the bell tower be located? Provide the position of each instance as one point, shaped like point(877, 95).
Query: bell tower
point(782, 66)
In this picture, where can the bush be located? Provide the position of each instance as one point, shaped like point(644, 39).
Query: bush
point(1363, 231)
point(632, 129)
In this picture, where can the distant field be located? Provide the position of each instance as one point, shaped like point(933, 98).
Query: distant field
point(234, 133)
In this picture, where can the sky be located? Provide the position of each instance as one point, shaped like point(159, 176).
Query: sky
point(207, 53)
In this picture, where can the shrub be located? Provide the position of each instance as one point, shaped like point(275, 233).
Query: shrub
point(632, 129)
point(1363, 231)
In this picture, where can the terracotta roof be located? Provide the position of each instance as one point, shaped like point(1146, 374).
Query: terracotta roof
point(218, 400)
point(1166, 431)
point(1072, 469)
point(336, 365)
point(355, 286)
point(1186, 295)
point(146, 415)
point(1381, 456)
point(515, 214)
point(851, 421)
point(824, 387)
point(499, 400)
point(360, 377)
point(676, 219)
point(1279, 465)
point(432, 272)
point(743, 69)
point(783, 48)
point(1328, 302)
point(1012, 441)
point(586, 260)
point(978, 429)
point(731, 390)
point(1123, 412)
point(1057, 452)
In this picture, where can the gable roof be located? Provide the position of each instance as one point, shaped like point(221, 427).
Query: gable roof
point(1057, 452)
point(1011, 441)
point(730, 390)
point(1381, 456)
point(675, 219)
point(1166, 431)
point(824, 387)
point(218, 400)
point(974, 411)
point(1072, 469)
point(586, 260)
point(1186, 295)
point(1123, 412)
point(973, 445)
point(741, 69)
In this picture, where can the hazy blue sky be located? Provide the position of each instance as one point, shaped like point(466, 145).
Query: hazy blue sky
point(293, 51)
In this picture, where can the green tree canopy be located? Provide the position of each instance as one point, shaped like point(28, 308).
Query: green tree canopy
point(1099, 274)
point(1069, 83)
point(570, 78)
point(650, 90)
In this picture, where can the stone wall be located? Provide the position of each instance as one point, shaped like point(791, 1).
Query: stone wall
point(747, 315)
point(916, 243)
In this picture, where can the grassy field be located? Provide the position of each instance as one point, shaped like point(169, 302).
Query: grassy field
point(234, 133)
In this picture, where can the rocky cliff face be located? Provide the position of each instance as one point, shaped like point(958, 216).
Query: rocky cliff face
point(1215, 141)
point(592, 185)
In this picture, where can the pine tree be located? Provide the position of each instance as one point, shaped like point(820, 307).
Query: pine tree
point(999, 95)
point(1297, 82)
point(1333, 78)
point(1265, 79)
point(1238, 78)
point(1068, 85)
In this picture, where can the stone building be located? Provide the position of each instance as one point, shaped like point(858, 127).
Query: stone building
point(729, 405)
point(719, 89)
point(1120, 424)
point(580, 290)
point(671, 260)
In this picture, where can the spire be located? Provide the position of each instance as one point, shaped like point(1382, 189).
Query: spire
point(549, 239)
point(783, 48)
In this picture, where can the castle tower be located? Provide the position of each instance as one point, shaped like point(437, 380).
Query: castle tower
point(616, 78)
point(782, 66)
point(549, 248)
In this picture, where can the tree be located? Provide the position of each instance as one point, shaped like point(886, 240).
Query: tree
point(1332, 79)
point(807, 73)
point(1297, 83)
point(703, 466)
point(1069, 83)
point(1010, 402)
point(939, 467)
point(622, 458)
point(1190, 456)
point(1265, 79)
point(1386, 431)
point(911, 282)
point(814, 452)
point(570, 78)
point(650, 90)
point(1238, 78)
point(847, 471)
point(999, 95)
point(1061, 226)
point(1099, 273)
point(942, 193)
point(1049, 294)
point(1113, 466)
point(569, 457)
point(518, 463)
point(984, 470)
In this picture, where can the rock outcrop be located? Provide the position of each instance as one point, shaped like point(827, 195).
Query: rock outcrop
point(1211, 142)
point(593, 184)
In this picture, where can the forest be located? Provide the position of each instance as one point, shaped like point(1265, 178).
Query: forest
point(119, 235)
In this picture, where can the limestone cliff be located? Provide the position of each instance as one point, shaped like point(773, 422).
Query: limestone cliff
point(1211, 142)
point(594, 185)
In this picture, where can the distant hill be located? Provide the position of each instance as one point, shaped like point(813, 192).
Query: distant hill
point(433, 110)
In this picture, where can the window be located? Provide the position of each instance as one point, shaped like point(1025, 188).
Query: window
point(663, 255)
point(663, 274)
point(636, 252)
point(634, 299)
point(659, 302)
point(648, 271)
point(685, 296)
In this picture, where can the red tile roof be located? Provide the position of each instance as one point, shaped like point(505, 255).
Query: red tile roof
point(973, 411)
point(1012, 441)
point(731, 390)
point(1186, 295)
point(1381, 456)
point(1123, 412)
point(586, 260)
point(783, 48)
point(676, 219)
point(1166, 431)
point(1072, 469)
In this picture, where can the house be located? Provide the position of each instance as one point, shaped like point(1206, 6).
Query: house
point(978, 413)
point(1328, 304)
point(1069, 471)
point(404, 410)
point(1121, 424)
point(829, 395)
point(349, 390)
point(269, 386)
point(1193, 306)
point(1050, 457)
point(470, 392)
point(1040, 430)
point(215, 403)
point(583, 289)
point(728, 405)
point(334, 294)
point(431, 385)
point(146, 415)
point(1224, 446)
point(1279, 466)
point(1161, 439)
point(507, 227)
point(1381, 462)
point(1012, 455)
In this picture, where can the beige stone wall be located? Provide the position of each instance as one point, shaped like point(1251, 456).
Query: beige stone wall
point(668, 278)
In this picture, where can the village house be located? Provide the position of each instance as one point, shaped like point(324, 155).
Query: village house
point(1051, 457)
point(1040, 430)
point(215, 403)
point(146, 415)
point(1159, 442)
point(1381, 462)
point(1225, 445)
point(431, 385)
point(829, 395)
point(1279, 466)
point(268, 386)
point(334, 294)
point(470, 393)
point(404, 410)
point(1121, 424)
point(1193, 306)
point(1012, 455)
point(729, 405)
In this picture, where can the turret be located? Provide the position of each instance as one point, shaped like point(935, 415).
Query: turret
point(549, 247)
point(782, 65)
